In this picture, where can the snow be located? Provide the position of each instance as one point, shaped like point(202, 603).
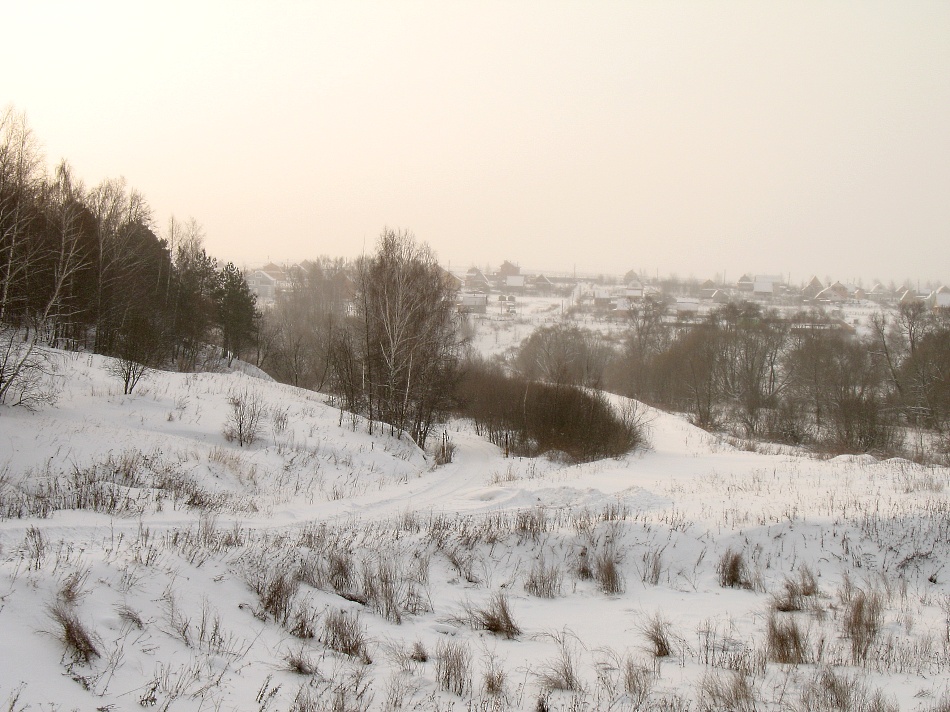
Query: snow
point(174, 575)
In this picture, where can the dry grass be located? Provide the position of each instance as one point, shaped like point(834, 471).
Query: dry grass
point(561, 673)
point(345, 633)
point(607, 572)
point(652, 566)
point(786, 643)
point(494, 678)
point(299, 661)
point(862, 622)
point(71, 589)
point(796, 591)
point(78, 640)
point(544, 581)
point(495, 617)
point(828, 691)
point(732, 691)
point(276, 588)
point(453, 662)
point(733, 571)
point(657, 632)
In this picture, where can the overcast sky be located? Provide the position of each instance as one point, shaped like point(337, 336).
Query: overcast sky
point(692, 138)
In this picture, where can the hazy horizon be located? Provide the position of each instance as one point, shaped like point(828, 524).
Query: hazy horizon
point(692, 139)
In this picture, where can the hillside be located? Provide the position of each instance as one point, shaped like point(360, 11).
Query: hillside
point(146, 560)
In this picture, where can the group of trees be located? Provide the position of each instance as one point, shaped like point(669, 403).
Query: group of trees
point(396, 359)
point(802, 379)
point(82, 268)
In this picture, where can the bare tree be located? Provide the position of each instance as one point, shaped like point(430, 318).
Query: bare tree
point(404, 344)
point(37, 267)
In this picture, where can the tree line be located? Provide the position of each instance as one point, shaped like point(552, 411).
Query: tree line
point(800, 379)
point(82, 268)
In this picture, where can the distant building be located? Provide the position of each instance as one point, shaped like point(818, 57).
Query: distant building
point(687, 306)
point(266, 282)
point(508, 269)
point(473, 303)
point(515, 283)
point(475, 280)
point(767, 286)
point(812, 289)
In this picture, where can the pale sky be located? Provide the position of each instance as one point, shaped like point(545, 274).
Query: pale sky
point(693, 138)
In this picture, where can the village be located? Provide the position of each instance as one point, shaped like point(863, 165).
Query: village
point(502, 291)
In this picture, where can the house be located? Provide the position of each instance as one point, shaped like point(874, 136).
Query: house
point(707, 289)
point(508, 269)
point(766, 286)
point(452, 281)
point(266, 282)
point(830, 295)
point(515, 283)
point(841, 290)
point(473, 303)
point(603, 299)
point(745, 283)
point(475, 280)
point(542, 285)
point(812, 289)
point(686, 307)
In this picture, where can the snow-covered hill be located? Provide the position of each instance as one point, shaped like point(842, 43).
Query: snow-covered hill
point(147, 560)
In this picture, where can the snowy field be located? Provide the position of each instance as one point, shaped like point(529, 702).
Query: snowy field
point(147, 560)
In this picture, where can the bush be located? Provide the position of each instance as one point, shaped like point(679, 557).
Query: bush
point(244, 420)
point(530, 418)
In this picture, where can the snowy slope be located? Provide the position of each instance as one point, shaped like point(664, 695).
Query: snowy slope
point(322, 567)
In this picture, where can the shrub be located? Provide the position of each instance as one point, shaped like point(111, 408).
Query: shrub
point(531, 418)
point(244, 419)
